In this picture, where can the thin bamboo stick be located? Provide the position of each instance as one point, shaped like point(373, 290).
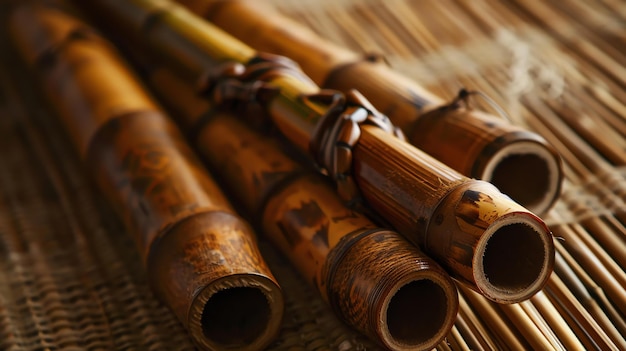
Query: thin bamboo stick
point(541, 324)
point(525, 325)
point(614, 326)
point(574, 310)
point(556, 322)
point(474, 331)
point(585, 257)
point(592, 291)
point(201, 258)
point(505, 335)
point(456, 341)
point(467, 225)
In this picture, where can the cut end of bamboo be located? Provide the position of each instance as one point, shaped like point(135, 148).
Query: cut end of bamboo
point(417, 313)
point(514, 258)
point(527, 172)
point(491, 243)
point(391, 291)
point(240, 313)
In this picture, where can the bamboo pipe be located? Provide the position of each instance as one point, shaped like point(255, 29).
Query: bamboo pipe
point(520, 163)
point(201, 258)
point(373, 278)
point(479, 235)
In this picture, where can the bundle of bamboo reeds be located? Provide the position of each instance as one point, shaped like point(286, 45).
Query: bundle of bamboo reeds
point(478, 234)
point(556, 67)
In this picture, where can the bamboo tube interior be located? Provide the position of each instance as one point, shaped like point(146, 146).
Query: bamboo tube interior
point(416, 312)
point(509, 171)
point(236, 316)
point(513, 246)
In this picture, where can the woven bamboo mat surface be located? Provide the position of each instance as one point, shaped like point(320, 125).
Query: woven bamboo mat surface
point(70, 278)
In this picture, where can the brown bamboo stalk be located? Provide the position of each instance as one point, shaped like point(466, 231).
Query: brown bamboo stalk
point(373, 278)
point(473, 143)
point(474, 231)
point(443, 347)
point(201, 258)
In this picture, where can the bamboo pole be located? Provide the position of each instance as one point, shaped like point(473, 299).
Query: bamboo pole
point(201, 258)
point(476, 144)
point(468, 226)
point(373, 278)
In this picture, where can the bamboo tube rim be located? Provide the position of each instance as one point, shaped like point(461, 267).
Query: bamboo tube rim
point(515, 242)
point(411, 317)
point(511, 163)
point(226, 301)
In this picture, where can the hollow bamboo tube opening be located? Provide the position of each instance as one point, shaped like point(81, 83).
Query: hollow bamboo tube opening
point(513, 259)
point(242, 312)
point(527, 172)
point(415, 313)
point(238, 315)
point(394, 292)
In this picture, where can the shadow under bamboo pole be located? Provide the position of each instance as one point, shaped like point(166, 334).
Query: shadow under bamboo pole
point(519, 162)
point(373, 278)
point(201, 258)
point(479, 235)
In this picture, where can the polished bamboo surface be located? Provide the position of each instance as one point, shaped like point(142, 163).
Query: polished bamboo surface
point(70, 276)
point(468, 226)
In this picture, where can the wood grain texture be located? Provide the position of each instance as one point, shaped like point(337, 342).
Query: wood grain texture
point(196, 249)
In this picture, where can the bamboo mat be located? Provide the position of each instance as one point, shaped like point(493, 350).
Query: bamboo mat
point(70, 278)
